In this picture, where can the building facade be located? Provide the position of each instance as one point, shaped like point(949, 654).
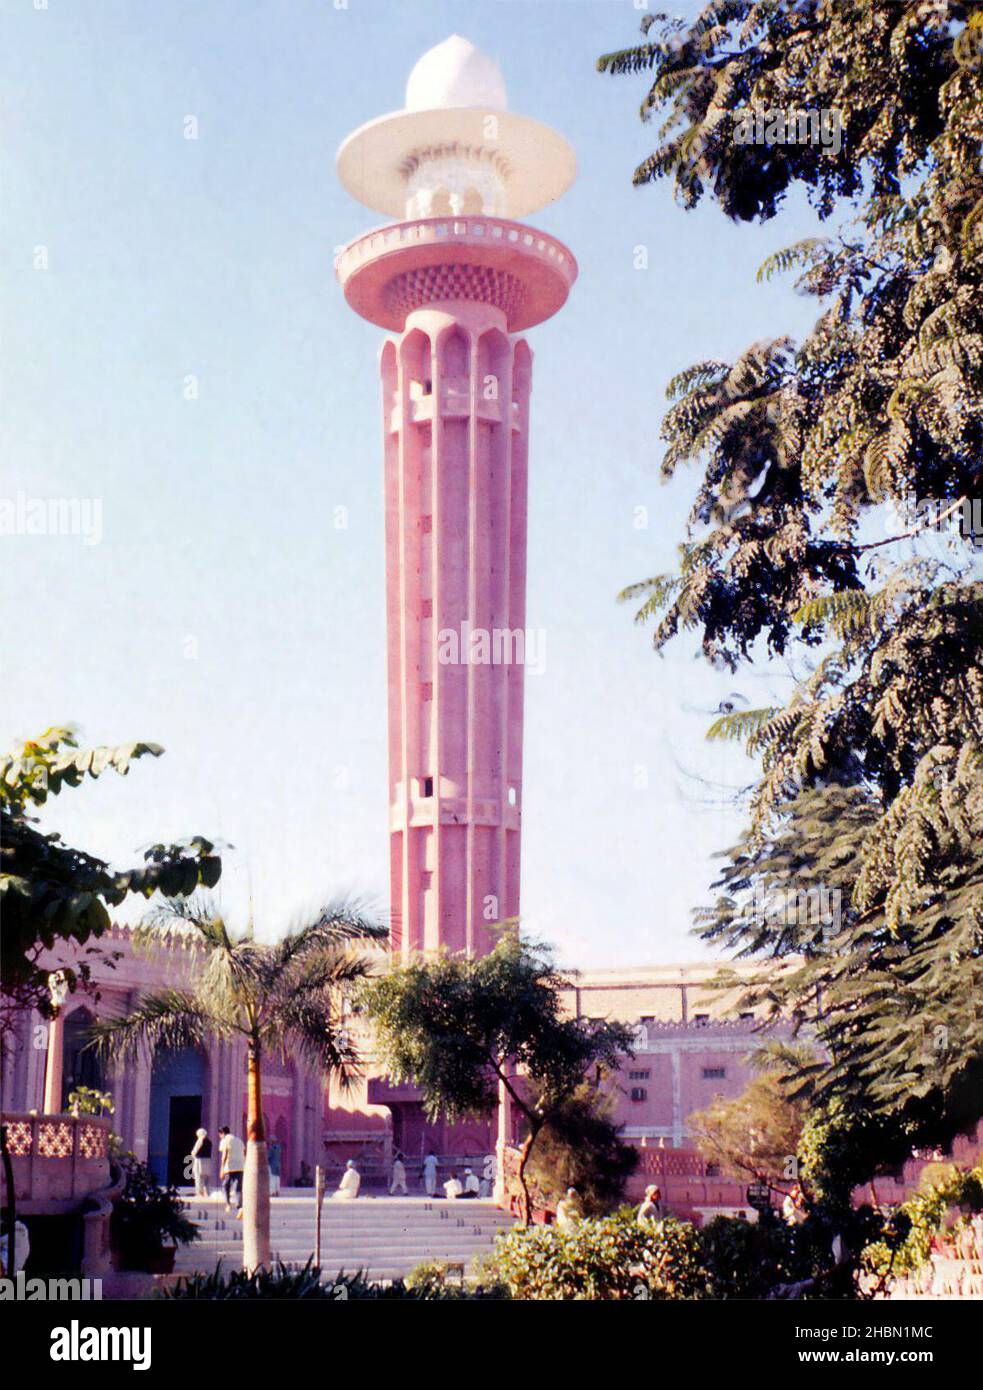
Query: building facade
point(692, 1043)
point(159, 1100)
point(686, 1052)
point(456, 280)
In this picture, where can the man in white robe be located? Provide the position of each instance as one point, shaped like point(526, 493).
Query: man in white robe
point(430, 1174)
point(349, 1185)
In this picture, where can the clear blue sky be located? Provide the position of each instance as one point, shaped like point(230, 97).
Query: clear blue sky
point(167, 258)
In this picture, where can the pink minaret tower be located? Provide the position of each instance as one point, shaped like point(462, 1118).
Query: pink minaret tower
point(455, 281)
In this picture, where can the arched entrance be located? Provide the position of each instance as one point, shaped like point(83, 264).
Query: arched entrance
point(80, 1063)
point(176, 1090)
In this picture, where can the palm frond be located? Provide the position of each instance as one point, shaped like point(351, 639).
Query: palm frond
point(339, 922)
point(303, 1029)
point(169, 1019)
point(740, 724)
point(181, 918)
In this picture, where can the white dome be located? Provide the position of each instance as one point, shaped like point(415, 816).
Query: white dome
point(456, 74)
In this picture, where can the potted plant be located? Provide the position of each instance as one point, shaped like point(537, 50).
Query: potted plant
point(86, 1100)
point(148, 1220)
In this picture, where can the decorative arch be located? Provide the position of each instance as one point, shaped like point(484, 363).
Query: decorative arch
point(178, 1085)
point(81, 1064)
point(472, 204)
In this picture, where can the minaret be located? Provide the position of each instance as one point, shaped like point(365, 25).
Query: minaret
point(455, 280)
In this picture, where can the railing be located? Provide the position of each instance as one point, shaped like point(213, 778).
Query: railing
point(662, 1027)
point(671, 1163)
point(434, 230)
point(57, 1160)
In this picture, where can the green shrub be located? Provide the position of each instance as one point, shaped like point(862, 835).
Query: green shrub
point(86, 1100)
point(745, 1259)
point(309, 1283)
point(146, 1214)
point(907, 1239)
point(612, 1257)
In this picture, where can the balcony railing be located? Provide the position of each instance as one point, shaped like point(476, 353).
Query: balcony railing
point(57, 1160)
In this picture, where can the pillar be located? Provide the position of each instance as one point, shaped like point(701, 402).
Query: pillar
point(456, 403)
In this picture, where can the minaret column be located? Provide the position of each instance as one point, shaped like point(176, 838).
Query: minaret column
point(455, 411)
point(455, 281)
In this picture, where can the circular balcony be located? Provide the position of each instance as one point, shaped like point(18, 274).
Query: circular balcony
point(388, 273)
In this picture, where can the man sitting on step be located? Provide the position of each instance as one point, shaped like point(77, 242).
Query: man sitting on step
point(350, 1182)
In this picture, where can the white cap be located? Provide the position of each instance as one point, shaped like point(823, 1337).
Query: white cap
point(456, 142)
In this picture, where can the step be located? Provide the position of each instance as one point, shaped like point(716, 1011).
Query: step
point(385, 1237)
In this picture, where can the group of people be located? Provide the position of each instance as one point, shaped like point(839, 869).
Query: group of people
point(457, 1186)
point(232, 1163)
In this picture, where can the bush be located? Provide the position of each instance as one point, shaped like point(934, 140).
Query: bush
point(86, 1100)
point(906, 1242)
point(609, 1258)
point(745, 1259)
point(309, 1283)
point(145, 1215)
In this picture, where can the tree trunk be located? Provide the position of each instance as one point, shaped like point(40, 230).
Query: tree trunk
point(256, 1178)
point(527, 1144)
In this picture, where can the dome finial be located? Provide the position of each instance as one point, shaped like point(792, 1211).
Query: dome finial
point(456, 74)
point(455, 147)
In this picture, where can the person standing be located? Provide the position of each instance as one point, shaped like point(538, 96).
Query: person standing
point(274, 1156)
point(398, 1183)
point(568, 1210)
point(232, 1162)
point(430, 1174)
point(9, 1269)
point(651, 1209)
point(201, 1162)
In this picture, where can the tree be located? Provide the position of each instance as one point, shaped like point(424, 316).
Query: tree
point(288, 998)
point(580, 1146)
point(461, 1028)
point(51, 892)
point(756, 1134)
point(870, 775)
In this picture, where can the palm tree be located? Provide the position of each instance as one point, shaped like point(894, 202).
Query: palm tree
point(286, 998)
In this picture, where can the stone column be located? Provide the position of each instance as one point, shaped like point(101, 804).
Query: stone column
point(35, 1063)
point(677, 1100)
point(456, 406)
point(502, 1143)
point(54, 1065)
point(140, 1115)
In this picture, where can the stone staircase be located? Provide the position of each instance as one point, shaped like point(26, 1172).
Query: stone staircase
point(385, 1237)
point(954, 1268)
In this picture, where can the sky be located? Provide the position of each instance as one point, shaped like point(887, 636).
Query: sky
point(176, 350)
